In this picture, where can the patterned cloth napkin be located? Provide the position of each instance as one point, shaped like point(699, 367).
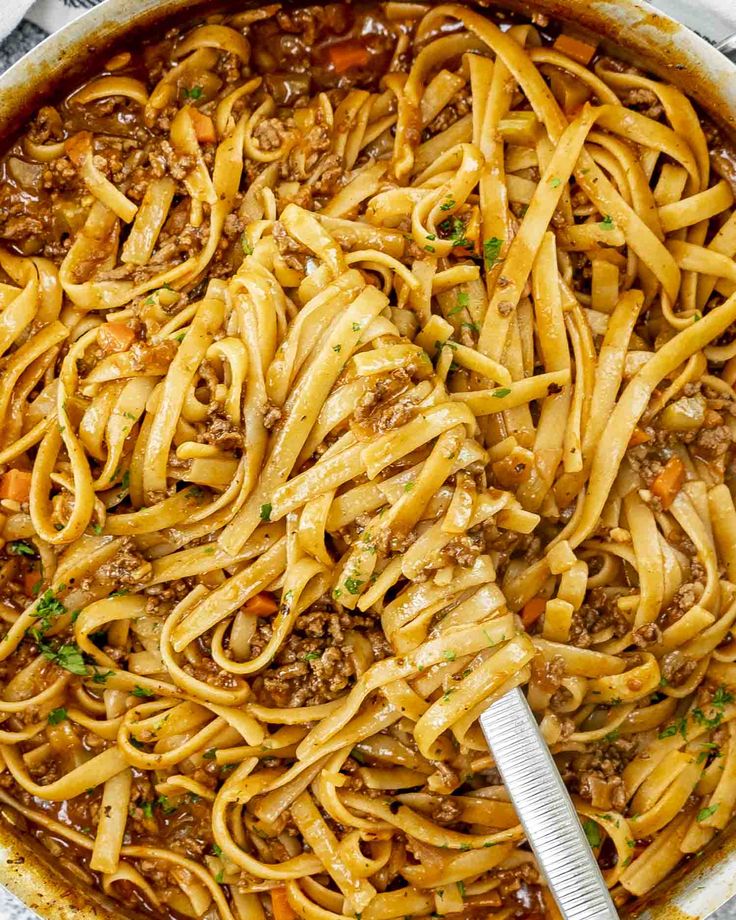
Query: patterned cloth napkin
point(24, 23)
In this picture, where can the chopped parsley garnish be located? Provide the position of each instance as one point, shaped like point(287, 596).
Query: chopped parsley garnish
point(707, 812)
point(721, 697)
point(67, 656)
point(447, 205)
point(607, 223)
point(592, 832)
point(491, 251)
point(210, 754)
point(312, 656)
point(20, 548)
point(679, 726)
point(195, 92)
point(555, 182)
point(247, 248)
point(147, 809)
point(450, 655)
point(142, 692)
point(501, 392)
point(57, 715)
point(49, 608)
point(409, 485)
point(266, 511)
point(461, 889)
point(165, 805)
point(454, 228)
point(217, 850)
point(100, 677)
point(353, 585)
point(220, 877)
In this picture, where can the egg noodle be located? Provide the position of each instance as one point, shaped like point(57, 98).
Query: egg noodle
point(477, 397)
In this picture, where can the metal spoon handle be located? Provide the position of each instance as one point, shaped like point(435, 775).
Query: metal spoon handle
point(545, 810)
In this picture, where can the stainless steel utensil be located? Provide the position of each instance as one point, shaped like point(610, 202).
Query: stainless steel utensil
point(545, 810)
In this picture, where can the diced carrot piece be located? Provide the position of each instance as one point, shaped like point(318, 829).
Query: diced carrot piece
point(348, 54)
point(575, 48)
point(115, 337)
point(280, 906)
point(669, 482)
point(639, 437)
point(262, 605)
point(78, 146)
point(532, 611)
point(31, 581)
point(15, 485)
point(204, 127)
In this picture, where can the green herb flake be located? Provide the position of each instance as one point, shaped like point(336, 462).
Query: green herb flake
point(450, 655)
point(707, 812)
point(220, 877)
point(100, 677)
point(461, 889)
point(67, 656)
point(337, 348)
point(353, 585)
point(20, 548)
point(447, 205)
point(165, 805)
point(592, 832)
point(142, 692)
point(48, 609)
point(210, 754)
point(147, 809)
point(266, 511)
point(247, 248)
point(491, 251)
point(57, 715)
point(501, 392)
point(721, 698)
point(607, 223)
point(555, 182)
point(194, 92)
point(217, 850)
point(312, 656)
